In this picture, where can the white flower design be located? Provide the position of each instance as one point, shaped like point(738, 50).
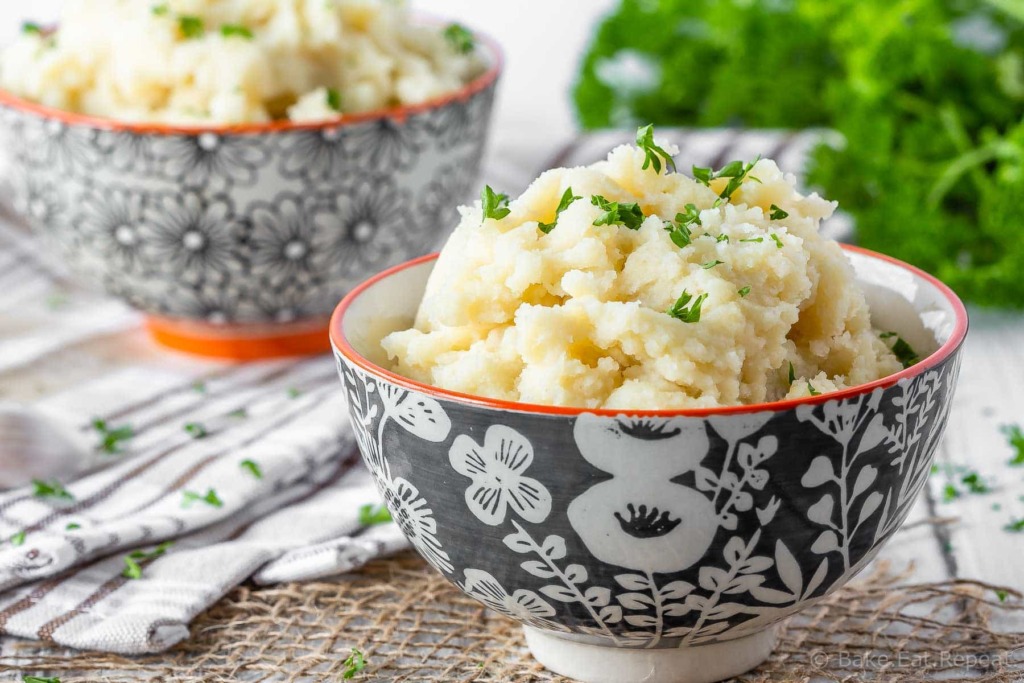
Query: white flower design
point(420, 415)
point(523, 605)
point(496, 469)
point(417, 522)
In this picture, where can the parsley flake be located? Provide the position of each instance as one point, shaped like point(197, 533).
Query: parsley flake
point(494, 204)
point(653, 154)
point(1015, 437)
point(711, 264)
point(161, 10)
point(901, 349)
point(236, 31)
point(722, 238)
point(252, 467)
point(355, 663)
point(191, 27)
point(241, 413)
point(736, 171)
point(1001, 595)
point(777, 214)
point(18, 538)
point(1015, 526)
point(686, 311)
point(111, 438)
point(39, 679)
point(50, 489)
point(72, 526)
point(133, 560)
point(334, 99)
point(744, 291)
point(31, 28)
point(294, 392)
point(460, 38)
point(211, 498)
point(680, 231)
point(370, 514)
point(567, 199)
point(974, 483)
point(792, 374)
point(753, 239)
point(776, 239)
point(199, 386)
point(812, 390)
point(626, 214)
point(196, 430)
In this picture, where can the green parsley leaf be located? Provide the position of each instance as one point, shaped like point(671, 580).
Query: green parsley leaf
point(210, 498)
point(196, 430)
point(236, 31)
point(370, 515)
point(680, 231)
point(334, 99)
point(50, 489)
point(355, 663)
point(294, 392)
point(39, 679)
point(792, 374)
point(753, 239)
point(711, 264)
point(902, 350)
point(241, 413)
point(493, 204)
point(460, 38)
point(744, 291)
point(618, 213)
point(949, 493)
point(567, 199)
point(722, 238)
point(735, 171)
point(161, 10)
point(777, 214)
point(1001, 595)
point(1015, 526)
point(31, 28)
point(974, 483)
point(252, 467)
point(191, 27)
point(653, 154)
point(72, 526)
point(686, 311)
point(776, 239)
point(1015, 437)
point(18, 538)
point(133, 560)
point(812, 390)
point(199, 386)
point(111, 439)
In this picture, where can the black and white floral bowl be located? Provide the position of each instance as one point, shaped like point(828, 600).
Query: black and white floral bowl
point(652, 545)
point(240, 240)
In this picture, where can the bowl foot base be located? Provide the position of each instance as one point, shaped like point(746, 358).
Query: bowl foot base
point(248, 342)
point(600, 664)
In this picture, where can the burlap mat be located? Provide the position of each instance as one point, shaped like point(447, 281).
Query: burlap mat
point(413, 626)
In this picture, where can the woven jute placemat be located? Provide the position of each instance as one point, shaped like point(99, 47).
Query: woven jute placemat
point(411, 625)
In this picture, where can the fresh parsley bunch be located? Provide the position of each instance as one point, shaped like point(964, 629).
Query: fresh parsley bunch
point(928, 94)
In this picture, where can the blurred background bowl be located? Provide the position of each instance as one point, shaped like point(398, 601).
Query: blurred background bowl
point(238, 241)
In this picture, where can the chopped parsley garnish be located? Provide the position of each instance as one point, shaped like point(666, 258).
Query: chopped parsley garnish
point(294, 392)
point(196, 430)
point(735, 171)
point(1015, 526)
point(460, 38)
point(680, 232)
point(901, 349)
point(236, 31)
point(776, 239)
point(686, 311)
point(777, 214)
point(211, 498)
point(949, 493)
point(752, 239)
point(241, 413)
point(191, 27)
point(370, 515)
point(111, 438)
point(494, 204)
point(744, 291)
point(32, 28)
point(252, 467)
point(39, 679)
point(355, 663)
point(722, 238)
point(72, 526)
point(50, 489)
point(618, 213)
point(974, 483)
point(1015, 437)
point(812, 390)
point(792, 374)
point(18, 538)
point(567, 199)
point(1001, 595)
point(132, 561)
point(711, 264)
point(653, 154)
point(161, 10)
point(199, 386)
point(334, 99)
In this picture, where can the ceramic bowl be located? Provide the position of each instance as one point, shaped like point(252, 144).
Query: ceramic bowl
point(652, 545)
point(240, 240)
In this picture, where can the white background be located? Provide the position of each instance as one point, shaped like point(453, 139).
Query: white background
point(543, 41)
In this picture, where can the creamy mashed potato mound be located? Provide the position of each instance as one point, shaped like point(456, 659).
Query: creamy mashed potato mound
point(233, 61)
point(578, 317)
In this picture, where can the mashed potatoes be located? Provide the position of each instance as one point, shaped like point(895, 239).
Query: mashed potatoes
point(595, 315)
point(235, 61)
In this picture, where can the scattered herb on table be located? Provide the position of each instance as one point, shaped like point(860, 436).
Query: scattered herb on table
point(133, 560)
point(744, 291)
point(252, 467)
point(191, 27)
point(199, 386)
point(111, 438)
point(18, 538)
point(333, 99)
point(39, 679)
point(241, 413)
point(72, 526)
point(1001, 595)
point(294, 392)
point(460, 38)
point(493, 204)
point(1015, 526)
point(567, 199)
point(777, 214)
point(236, 31)
point(686, 308)
point(355, 663)
point(627, 214)
point(370, 515)
point(904, 353)
point(210, 498)
point(50, 489)
point(1015, 437)
point(32, 28)
point(653, 154)
point(196, 430)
